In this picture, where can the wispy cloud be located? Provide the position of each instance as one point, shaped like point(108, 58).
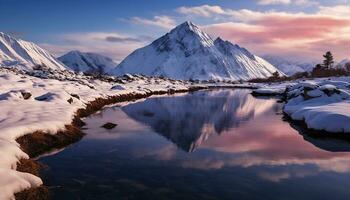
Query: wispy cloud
point(273, 2)
point(276, 32)
point(120, 39)
point(159, 21)
point(204, 10)
point(266, 31)
point(288, 2)
point(342, 11)
point(114, 45)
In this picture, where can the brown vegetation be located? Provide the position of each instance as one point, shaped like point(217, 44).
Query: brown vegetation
point(38, 193)
point(39, 142)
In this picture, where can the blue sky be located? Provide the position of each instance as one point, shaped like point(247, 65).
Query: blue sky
point(61, 26)
point(40, 17)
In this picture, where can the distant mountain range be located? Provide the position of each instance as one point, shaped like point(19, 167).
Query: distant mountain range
point(289, 66)
point(186, 52)
point(87, 62)
point(344, 63)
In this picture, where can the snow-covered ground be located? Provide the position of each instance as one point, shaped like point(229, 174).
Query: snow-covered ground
point(323, 104)
point(47, 101)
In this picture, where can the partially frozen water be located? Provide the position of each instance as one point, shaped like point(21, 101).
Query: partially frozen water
point(221, 144)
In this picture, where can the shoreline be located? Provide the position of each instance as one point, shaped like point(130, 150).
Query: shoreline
point(303, 129)
point(38, 143)
point(316, 105)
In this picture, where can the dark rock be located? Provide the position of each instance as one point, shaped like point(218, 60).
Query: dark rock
point(26, 95)
point(109, 125)
point(70, 100)
point(75, 96)
point(46, 97)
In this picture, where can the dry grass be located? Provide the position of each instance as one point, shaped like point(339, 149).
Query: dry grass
point(38, 193)
point(40, 142)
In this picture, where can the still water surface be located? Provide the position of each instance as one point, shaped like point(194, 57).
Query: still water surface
point(220, 144)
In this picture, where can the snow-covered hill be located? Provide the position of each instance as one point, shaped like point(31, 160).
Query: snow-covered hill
point(186, 52)
point(25, 55)
point(289, 66)
point(87, 62)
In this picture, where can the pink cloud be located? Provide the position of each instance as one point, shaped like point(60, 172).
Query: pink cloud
point(298, 35)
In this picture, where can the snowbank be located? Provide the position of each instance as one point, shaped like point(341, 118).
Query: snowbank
point(323, 104)
point(47, 101)
point(270, 89)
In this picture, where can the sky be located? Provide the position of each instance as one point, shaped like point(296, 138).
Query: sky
point(295, 29)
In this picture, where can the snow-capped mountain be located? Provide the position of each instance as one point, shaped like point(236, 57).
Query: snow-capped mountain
point(186, 52)
point(344, 63)
point(87, 62)
point(25, 55)
point(288, 66)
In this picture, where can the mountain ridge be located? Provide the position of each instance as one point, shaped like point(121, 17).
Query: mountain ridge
point(186, 52)
point(25, 55)
point(290, 66)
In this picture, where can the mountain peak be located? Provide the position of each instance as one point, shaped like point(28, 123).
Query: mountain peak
point(87, 62)
point(187, 27)
point(218, 39)
point(187, 52)
point(190, 35)
point(74, 52)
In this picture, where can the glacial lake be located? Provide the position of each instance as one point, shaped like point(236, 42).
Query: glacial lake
point(217, 144)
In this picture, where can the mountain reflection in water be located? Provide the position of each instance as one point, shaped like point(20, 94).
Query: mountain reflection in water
point(220, 144)
point(188, 120)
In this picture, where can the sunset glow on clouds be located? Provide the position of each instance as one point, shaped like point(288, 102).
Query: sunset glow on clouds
point(300, 29)
point(290, 34)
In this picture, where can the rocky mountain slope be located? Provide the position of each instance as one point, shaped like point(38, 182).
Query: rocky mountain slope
point(186, 52)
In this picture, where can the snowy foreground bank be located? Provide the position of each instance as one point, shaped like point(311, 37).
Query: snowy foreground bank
point(323, 104)
point(46, 101)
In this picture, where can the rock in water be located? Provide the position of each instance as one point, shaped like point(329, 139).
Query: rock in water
point(109, 125)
